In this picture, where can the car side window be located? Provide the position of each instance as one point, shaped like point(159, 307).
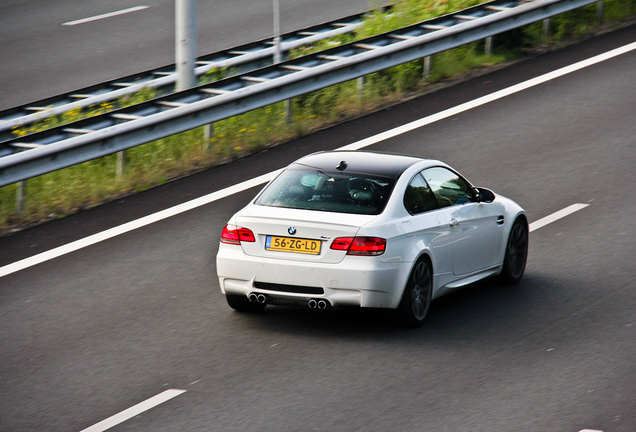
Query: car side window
point(418, 197)
point(448, 187)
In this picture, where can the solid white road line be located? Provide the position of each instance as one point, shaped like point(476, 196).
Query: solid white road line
point(134, 411)
point(490, 98)
point(107, 15)
point(133, 225)
point(105, 235)
point(556, 216)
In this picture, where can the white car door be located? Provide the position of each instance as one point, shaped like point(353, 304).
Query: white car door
point(475, 232)
point(475, 228)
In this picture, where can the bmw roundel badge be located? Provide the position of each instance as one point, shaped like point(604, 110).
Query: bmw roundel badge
point(291, 230)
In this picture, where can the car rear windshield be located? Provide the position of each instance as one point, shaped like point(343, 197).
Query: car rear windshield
point(336, 191)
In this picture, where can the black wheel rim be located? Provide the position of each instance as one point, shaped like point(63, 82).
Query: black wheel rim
point(421, 290)
point(517, 250)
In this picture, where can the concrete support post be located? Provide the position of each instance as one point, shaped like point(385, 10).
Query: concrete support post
point(186, 43)
point(21, 197)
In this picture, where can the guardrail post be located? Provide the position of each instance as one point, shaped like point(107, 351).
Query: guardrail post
point(289, 111)
point(600, 11)
point(488, 45)
point(208, 134)
point(546, 28)
point(426, 70)
point(120, 166)
point(21, 197)
point(360, 88)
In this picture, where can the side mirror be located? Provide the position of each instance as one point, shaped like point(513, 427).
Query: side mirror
point(485, 195)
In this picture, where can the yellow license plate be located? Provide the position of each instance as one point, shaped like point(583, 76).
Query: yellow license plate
point(288, 244)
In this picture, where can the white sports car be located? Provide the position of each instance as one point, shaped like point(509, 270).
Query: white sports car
point(368, 229)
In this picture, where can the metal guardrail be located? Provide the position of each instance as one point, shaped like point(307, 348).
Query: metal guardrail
point(106, 134)
point(239, 59)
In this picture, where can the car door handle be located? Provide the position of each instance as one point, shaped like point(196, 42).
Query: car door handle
point(453, 222)
point(500, 220)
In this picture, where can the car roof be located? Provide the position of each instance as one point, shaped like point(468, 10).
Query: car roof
point(381, 164)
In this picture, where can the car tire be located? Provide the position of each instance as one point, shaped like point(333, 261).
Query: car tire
point(516, 253)
point(243, 304)
point(416, 299)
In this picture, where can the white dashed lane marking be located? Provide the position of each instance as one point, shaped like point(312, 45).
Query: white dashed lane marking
point(107, 15)
point(556, 216)
point(134, 410)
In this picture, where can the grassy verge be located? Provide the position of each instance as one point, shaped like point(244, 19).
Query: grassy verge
point(83, 186)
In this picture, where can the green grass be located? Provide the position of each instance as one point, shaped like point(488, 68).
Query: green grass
point(85, 185)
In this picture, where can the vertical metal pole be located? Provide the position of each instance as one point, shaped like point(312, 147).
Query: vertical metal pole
point(600, 11)
point(21, 197)
point(277, 53)
point(278, 56)
point(120, 165)
point(360, 88)
point(208, 134)
point(488, 48)
point(427, 67)
point(185, 42)
point(546, 28)
point(289, 111)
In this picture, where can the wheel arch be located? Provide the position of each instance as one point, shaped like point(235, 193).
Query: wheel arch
point(423, 255)
point(522, 217)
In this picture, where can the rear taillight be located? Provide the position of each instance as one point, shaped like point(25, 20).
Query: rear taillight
point(235, 235)
point(360, 245)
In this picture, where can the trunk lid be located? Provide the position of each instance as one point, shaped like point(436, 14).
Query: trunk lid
point(297, 235)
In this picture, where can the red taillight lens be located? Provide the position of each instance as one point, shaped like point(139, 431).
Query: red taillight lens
point(341, 243)
point(360, 245)
point(235, 235)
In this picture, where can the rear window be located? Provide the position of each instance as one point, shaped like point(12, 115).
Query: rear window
point(336, 191)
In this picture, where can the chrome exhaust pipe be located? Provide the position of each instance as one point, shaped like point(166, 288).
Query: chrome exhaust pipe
point(262, 298)
point(312, 304)
point(322, 304)
point(253, 298)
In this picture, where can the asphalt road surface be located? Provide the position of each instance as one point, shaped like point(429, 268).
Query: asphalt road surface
point(90, 334)
point(43, 57)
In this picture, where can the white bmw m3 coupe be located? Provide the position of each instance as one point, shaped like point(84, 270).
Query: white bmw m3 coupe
point(366, 229)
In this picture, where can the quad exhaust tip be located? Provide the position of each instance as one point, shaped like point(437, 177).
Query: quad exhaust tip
point(257, 298)
point(312, 303)
point(318, 304)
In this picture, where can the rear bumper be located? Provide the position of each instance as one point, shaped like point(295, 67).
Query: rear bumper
point(355, 281)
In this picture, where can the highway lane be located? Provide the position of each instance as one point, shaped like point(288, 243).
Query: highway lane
point(90, 334)
point(42, 57)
